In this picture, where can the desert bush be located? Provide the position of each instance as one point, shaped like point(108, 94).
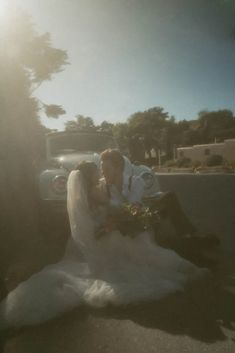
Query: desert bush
point(196, 164)
point(170, 163)
point(214, 160)
point(184, 162)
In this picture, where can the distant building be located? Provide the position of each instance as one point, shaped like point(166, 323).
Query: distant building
point(201, 152)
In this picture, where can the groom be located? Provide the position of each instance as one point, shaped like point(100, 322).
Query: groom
point(121, 188)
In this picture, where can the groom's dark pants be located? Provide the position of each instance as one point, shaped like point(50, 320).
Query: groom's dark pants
point(192, 247)
point(169, 206)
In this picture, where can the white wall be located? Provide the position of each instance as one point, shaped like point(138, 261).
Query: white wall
point(229, 150)
point(202, 152)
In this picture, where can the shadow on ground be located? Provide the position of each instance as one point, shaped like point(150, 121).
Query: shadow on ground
point(202, 312)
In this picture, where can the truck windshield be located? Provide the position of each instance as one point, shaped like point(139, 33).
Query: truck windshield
point(73, 143)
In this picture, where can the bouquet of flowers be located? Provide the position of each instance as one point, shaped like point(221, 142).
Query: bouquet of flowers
point(130, 220)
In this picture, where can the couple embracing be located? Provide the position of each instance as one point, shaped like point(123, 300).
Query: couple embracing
point(112, 269)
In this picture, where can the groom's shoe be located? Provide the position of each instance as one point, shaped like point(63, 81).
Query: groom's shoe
point(203, 240)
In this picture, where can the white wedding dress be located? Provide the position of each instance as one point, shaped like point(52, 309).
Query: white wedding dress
point(112, 270)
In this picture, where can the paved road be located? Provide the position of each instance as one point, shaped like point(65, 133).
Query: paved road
point(199, 320)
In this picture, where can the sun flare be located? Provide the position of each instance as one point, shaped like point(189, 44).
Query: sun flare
point(3, 8)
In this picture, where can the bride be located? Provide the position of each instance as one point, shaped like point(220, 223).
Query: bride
point(96, 271)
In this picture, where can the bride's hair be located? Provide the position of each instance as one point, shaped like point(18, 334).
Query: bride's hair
point(87, 170)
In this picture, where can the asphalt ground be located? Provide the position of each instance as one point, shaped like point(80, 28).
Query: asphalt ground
point(202, 319)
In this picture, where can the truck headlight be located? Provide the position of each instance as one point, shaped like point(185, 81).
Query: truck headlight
point(148, 179)
point(59, 184)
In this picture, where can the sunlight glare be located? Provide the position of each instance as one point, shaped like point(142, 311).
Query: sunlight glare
point(3, 9)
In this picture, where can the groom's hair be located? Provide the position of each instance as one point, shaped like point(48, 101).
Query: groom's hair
point(115, 157)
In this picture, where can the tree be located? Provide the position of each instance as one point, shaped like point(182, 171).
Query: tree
point(210, 126)
point(151, 124)
point(148, 122)
point(106, 127)
point(212, 123)
point(85, 123)
point(121, 134)
point(71, 125)
point(53, 111)
point(81, 123)
point(27, 59)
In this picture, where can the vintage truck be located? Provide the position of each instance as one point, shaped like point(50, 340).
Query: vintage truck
point(65, 150)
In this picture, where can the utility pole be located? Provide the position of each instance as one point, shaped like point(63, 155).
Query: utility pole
point(159, 157)
point(174, 152)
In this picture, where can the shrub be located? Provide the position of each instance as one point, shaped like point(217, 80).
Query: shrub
point(170, 163)
point(196, 164)
point(184, 162)
point(214, 160)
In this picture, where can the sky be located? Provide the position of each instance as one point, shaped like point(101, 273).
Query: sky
point(130, 55)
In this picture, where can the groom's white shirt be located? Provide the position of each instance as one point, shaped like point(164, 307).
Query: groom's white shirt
point(132, 190)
